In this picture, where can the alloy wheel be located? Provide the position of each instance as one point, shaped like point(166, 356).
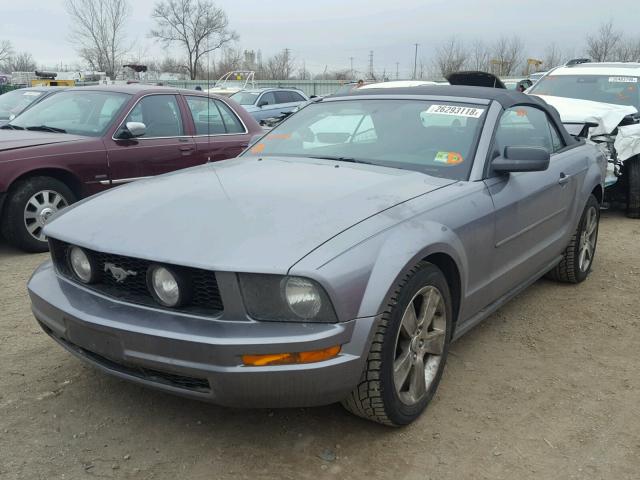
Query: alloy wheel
point(40, 207)
point(420, 345)
point(588, 238)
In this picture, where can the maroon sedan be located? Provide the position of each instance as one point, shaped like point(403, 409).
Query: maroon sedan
point(85, 140)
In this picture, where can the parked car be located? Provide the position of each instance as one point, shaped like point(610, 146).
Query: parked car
point(335, 260)
point(265, 103)
point(84, 140)
point(16, 101)
point(606, 98)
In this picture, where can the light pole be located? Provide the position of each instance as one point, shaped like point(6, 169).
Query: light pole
point(415, 61)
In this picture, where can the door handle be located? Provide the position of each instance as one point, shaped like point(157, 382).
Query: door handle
point(186, 148)
point(564, 179)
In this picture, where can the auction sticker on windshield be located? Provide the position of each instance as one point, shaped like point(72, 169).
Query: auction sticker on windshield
point(623, 79)
point(470, 112)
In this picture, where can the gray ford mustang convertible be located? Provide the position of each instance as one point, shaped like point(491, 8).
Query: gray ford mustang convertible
point(333, 261)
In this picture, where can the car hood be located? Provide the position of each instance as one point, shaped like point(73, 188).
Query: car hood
point(251, 108)
point(15, 139)
point(243, 214)
point(607, 115)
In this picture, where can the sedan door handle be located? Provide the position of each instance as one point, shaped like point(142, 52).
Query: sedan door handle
point(186, 148)
point(564, 179)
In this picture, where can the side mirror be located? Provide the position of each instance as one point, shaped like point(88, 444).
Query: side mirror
point(133, 130)
point(522, 159)
point(262, 103)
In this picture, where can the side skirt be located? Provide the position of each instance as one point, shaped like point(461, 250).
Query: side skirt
point(491, 308)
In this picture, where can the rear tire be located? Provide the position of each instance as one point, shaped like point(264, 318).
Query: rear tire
point(29, 204)
point(578, 257)
point(408, 352)
point(632, 172)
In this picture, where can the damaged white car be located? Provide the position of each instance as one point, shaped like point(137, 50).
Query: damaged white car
point(600, 102)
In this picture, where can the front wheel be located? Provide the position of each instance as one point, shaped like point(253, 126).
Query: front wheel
point(29, 205)
point(632, 172)
point(408, 352)
point(578, 257)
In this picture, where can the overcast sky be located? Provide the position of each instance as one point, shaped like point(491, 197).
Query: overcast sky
point(328, 32)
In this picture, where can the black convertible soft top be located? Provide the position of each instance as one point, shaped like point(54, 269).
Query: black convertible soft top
point(506, 98)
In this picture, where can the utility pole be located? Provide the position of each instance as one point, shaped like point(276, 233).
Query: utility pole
point(286, 63)
point(371, 75)
point(397, 70)
point(415, 61)
point(351, 59)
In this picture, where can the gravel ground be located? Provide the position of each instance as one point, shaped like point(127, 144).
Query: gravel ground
point(548, 387)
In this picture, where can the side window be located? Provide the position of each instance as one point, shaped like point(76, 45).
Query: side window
point(296, 97)
point(231, 121)
point(556, 141)
point(283, 97)
point(523, 127)
point(267, 99)
point(206, 116)
point(160, 114)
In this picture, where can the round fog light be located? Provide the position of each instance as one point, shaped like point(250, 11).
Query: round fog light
point(80, 265)
point(303, 297)
point(165, 286)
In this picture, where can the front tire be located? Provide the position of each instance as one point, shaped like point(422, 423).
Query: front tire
point(578, 257)
point(632, 172)
point(408, 352)
point(29, 205)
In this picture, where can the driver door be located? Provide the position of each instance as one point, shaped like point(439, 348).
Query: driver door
point(533, 209)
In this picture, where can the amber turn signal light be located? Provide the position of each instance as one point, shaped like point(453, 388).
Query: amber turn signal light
point(290, 358)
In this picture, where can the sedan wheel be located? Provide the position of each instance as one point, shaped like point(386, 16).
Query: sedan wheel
point(30, 204)
point(588, 239)
point(408, 352)
point(40, 207)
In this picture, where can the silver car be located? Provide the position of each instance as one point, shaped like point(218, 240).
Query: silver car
point(335, 260)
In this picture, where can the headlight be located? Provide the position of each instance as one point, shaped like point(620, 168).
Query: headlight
point(285, 299)
point(167, 286)
point(302, 296)
point(81, 265)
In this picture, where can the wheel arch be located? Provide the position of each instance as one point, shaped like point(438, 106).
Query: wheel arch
point(451, 272)
point(61, 174)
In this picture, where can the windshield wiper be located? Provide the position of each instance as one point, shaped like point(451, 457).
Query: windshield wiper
point(8, 126)
point(46, 128)
point(341, 159)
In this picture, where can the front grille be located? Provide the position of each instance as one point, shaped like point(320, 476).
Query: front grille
point(157, 376)
point(205, 296)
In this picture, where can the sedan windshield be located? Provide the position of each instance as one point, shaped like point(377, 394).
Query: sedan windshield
point(619, 90)
point(245, 98)
point(79, 112)
point(433, 137)
point(12, 103)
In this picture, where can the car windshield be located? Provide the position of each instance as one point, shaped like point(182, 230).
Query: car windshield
point(245, 98)
point(616, 89)
point(434, 137)
point(87, 113)
point(12, 103)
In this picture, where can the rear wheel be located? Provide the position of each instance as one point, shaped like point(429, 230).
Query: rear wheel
point(578, 256)
point(408, 353)
point(632, 172)
point(29, 205)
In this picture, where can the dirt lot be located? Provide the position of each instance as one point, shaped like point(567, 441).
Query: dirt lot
point(547, 388)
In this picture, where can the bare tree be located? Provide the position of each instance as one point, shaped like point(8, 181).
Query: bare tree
point(627, 50)
point(6, 50)
point(279, 67)
point(480, 56)
point(507, 56)
point(232, 59)
point(601, 46)
point(451, 56)
point(553, 56)
point(197, 25)
point(21, 62)
point(98, 31)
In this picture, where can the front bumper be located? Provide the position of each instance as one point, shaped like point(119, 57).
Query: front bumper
point(199, 357)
